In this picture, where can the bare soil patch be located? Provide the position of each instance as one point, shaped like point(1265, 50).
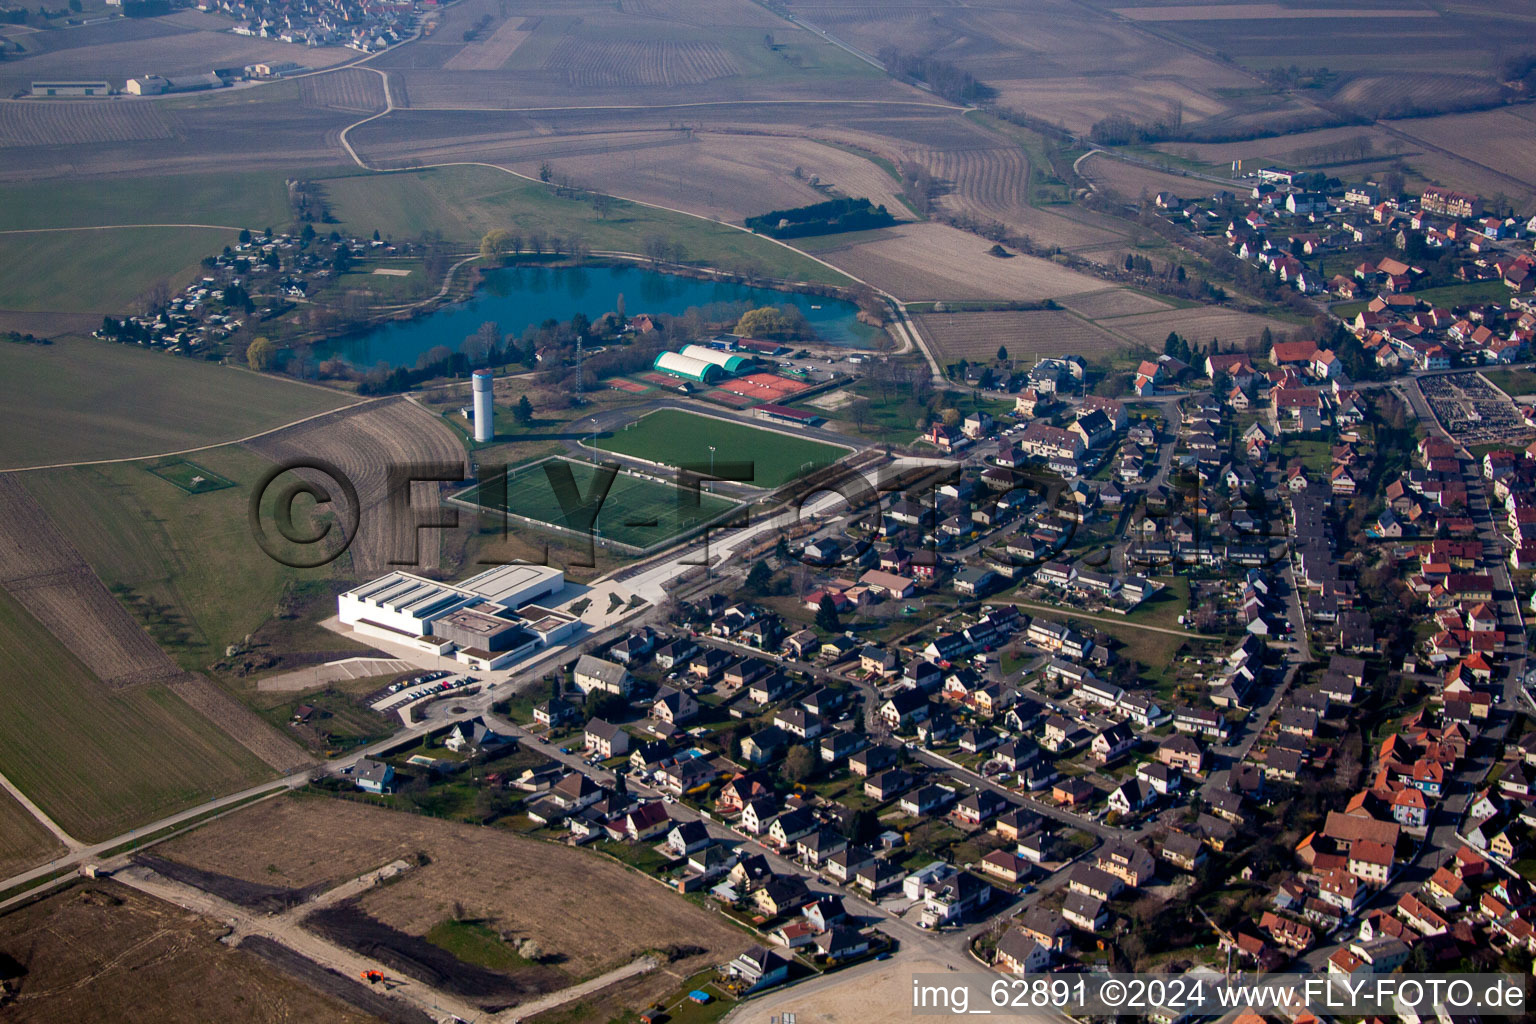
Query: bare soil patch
point(1111, 302)
point(562, 898)
point(364, 444)
point(1025, 333)
point(1234, 328)
point(932, 261)
point(270, 899)
point(323, 979)
point(1131, 181)
point(349, 926)
point(351, 89)
point(495, 49)
point(103, 952)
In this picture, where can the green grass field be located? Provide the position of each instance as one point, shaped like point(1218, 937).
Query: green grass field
point(24, 843)
point(82, 399)
point(1513, 382)
point(189, 476)
point(97, 760)
point(631, 504)
point(255, 200)
point(672, 437)
point(190, 554)
point(465, 202)
point(99, 271)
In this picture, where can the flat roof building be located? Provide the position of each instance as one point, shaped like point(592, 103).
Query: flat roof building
point(514, 585)
point(476, 618)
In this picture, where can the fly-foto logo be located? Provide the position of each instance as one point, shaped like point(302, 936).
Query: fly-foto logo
point(307, 512)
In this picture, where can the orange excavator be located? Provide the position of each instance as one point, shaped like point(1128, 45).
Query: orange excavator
point(372, 977)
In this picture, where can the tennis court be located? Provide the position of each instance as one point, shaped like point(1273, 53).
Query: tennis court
point(634, 387)
point(765, 387)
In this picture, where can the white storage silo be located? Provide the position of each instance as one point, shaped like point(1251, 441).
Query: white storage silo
point(485, 416)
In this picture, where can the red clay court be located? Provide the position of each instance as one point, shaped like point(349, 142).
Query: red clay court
point(764, 387)
point(730, 398)
point(624, 384)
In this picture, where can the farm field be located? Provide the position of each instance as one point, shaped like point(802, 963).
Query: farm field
point(123, 402)
point(637, 511)
point(250, 199)
point(1501, 140)
point(1129, 181)
point(465, 202)
point(672, 437)
point(1026, 334)
point(365, 443)
point(1200, 324)
point(545, 891)
point(933, 261)
point(351, 89)
point(99, 271)
point(1066, 64)
point(1112, 302)
point(546, 55)
point(99, 760)
point(723, 176)
point(190, 557)
point(103, 951)
point(1298, 148)
point(78, 123)
point(24, 842)
point(241, 131)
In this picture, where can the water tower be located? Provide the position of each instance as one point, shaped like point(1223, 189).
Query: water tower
point(485, 415)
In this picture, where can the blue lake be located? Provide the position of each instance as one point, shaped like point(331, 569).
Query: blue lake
point(520, 297)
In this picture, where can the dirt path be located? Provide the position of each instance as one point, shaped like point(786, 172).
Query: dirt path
point(566, 995)
point(74, 845)
point(287, 932)
point(202, 447)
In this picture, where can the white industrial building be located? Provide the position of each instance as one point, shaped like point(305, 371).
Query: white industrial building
point(487, 621)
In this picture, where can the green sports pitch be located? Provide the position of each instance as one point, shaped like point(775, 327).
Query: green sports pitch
point(638, 512)
point(671, 437)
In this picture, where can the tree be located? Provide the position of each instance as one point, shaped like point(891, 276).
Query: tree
point(758, 577)
point(155, 298)
point(262, 355)
point(245, 236)
point(951, 417)
point(799, 764)
point(523, 412)
point(861, 827)
point(546, 172)
point(767, 322)
point(493, 244)
point(858, 409)
point(826, 615)
point(618, 307)
point(1002, 353)
point(603, 204)
point(477, 347)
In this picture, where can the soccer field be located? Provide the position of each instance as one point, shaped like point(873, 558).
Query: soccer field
point(672, 438)
point(637, 512)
